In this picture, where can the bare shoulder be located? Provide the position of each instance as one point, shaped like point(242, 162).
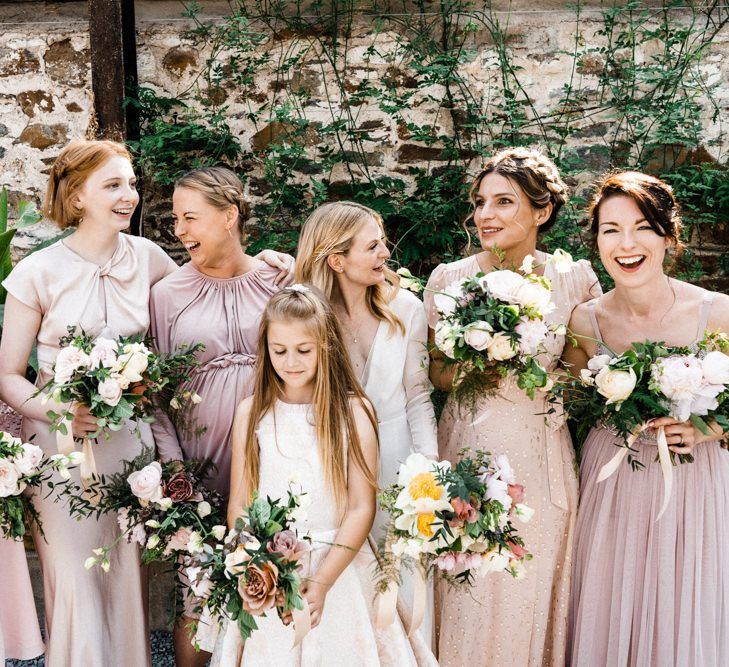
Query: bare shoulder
point(244, 408)
point(580, 322)
point(363, 412)
point(719, 314)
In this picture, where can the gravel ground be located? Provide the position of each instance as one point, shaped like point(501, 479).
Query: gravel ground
point(162, 655)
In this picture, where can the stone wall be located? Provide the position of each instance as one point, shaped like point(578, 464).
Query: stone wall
point(45, 94)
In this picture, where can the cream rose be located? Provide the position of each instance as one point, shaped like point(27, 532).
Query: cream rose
point(502, 285)
point(615, 385)
point(501, 348)
point(133, 362)
point(68, 360)
point(28, 461)
point(110, 391)
point(478, 335)
point(146, 484)
point(445, 338)
point(8, 479)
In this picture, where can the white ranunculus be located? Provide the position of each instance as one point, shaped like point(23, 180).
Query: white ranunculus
point(103, 353)
point(146, 484)
point(68, 360)
point(8, 479)
point(615, 385)
point(445, 338)
point(218, 532)
point(532, 334)
point(447, 300)
point(478, 335)
point(562, 261)
point(501, 347)
point(502, 284)
point(28, 461)
point(716, 368)
point(598, 362)
point(110, 391)
point(133, 362)
point(203, 509)
point(528, 264)
point(534, 295)
point(523, 512)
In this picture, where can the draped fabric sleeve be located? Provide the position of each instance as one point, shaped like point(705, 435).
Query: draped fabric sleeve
point(419, 409)
point(588, 281)
point(165, 434)
point(436, 283)
point(21, 283)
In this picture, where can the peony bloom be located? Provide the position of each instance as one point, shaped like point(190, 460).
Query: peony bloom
point(680, 378)
point(478, 335)
point(501, 347)
point(715, 366)
point(615, 385)
point(502, 284)
point(257, 588)
point(445, 338)
point(29, 459)
point(146, 484)
point(534, 295)
point(110, 391)
point(532, 334)
point(8, 479)
point(68, 360)
point(103, 353)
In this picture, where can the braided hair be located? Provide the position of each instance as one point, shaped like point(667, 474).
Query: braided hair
point(221, 188)
point(533, 172)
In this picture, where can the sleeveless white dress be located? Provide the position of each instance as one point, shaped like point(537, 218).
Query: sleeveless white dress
point(346, 633)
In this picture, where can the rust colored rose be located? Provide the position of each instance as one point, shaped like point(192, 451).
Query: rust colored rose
point(179, 488)
point(258, 587)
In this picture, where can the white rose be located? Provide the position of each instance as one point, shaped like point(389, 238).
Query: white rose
point(716, 367)
point(121, 380)
point(203, 509)
point(103, 353)
point(598, 362)
point(218, 532)
point(445, 338)
point(133, 362)
point(146, 484)
point(68, 360)
point(534, 295)
point(447, 300)
point(501, 348)
point(532, 334)
point(110, 391)
point(29, 460)
point(523, 512)
point(562, 261)
point(478, 335)
point(8, 479)
point(614, 385)
point(502, 285)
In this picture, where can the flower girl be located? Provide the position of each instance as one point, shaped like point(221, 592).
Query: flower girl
point(309, 424)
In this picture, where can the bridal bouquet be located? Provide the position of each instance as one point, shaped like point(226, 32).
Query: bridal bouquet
point(455, 520)
point(163, 507)
point(650, 380)
point(254, 569)
point(492, 325)
point(22, 464)
point(118, 379)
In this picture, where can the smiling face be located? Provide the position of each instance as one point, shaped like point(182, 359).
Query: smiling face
point(631, 251)
point(504, 216)
point(363, 264)
point(109, 194)
point(292, 348)
point(208, 233)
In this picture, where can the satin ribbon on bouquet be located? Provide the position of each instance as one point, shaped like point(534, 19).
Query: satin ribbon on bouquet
point(664, 458)
point(386, 603)
point(65, 444)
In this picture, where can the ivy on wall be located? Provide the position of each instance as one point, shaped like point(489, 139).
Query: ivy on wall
point(635, 98)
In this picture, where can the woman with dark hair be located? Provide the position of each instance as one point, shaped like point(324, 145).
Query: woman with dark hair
point(648, 592)
point(516, 196)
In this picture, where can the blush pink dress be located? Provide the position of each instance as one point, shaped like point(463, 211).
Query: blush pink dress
point(224, 314)
point(92, 618)
point(647, 592)
point(517, 622)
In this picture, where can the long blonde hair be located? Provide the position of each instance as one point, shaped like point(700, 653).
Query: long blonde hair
point(329, 230)
point(335, 385)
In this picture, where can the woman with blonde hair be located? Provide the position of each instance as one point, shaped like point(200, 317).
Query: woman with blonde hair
point(342, 251)
point(516, 196)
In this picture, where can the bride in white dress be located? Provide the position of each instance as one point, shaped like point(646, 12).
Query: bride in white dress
point(342, 251)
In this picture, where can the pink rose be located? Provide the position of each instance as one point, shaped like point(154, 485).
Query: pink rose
point(464, 511)
point(146, 484)
point(257, 587)
point(516, 491)
point(285, 543)
point(518, 550)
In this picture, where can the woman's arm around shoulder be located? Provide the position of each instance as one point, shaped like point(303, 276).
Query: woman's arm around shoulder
point(238, 500)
